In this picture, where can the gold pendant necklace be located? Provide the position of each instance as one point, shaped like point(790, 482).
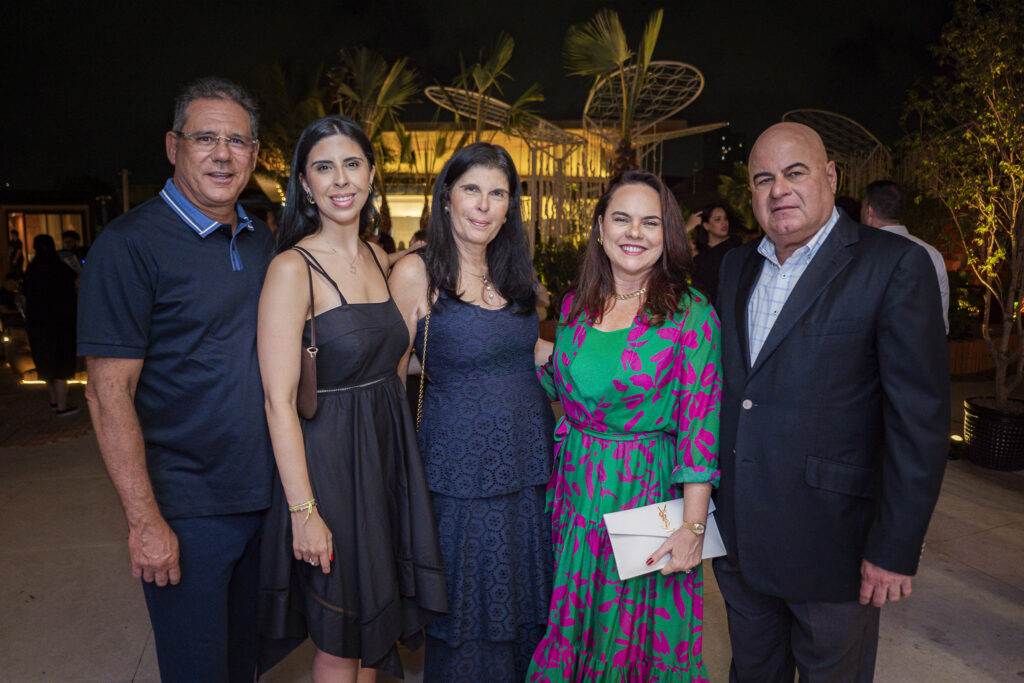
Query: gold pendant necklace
point(639, 292)
point(352, 265)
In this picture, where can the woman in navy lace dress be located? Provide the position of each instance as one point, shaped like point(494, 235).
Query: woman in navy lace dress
point(486, 431)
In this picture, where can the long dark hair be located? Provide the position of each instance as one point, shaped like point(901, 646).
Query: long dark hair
point(299, 218)
point(45, 250)
point(666, 285)
point(508, 259)
point(700, 233)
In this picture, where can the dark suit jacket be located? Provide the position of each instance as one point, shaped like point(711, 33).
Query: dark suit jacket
point(834, 443)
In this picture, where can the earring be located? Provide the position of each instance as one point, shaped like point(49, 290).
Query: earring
point(600, 239)
point(309, 197)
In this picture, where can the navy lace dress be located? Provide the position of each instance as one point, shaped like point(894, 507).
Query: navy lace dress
point(486, 443)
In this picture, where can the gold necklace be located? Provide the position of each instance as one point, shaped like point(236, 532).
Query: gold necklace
point(639, 292)
point(351, 266)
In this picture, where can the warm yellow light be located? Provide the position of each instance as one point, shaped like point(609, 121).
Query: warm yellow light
point(955, 437)
point(6, 339)
point(41, 381)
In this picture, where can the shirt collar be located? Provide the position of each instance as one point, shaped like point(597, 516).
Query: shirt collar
point(805, 253)
point(896, 229)
point(193, 217)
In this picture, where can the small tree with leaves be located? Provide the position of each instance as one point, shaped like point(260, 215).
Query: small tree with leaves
point(971, 145)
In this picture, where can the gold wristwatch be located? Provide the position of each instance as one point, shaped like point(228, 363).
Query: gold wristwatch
point(695, 527)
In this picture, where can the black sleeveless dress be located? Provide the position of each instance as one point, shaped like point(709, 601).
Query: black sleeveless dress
point(387, 581)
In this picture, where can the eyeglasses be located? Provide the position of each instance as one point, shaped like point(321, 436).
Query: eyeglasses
point(236, 143)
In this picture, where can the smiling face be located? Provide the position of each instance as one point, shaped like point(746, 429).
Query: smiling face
point(631, 228)
point(793, 185)
point(477, 205)
point(339, 177)
point(212, 179)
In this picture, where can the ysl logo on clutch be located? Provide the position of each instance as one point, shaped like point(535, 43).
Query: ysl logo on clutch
point(665, 524)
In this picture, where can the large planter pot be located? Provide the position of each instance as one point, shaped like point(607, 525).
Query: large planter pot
point(995, 438)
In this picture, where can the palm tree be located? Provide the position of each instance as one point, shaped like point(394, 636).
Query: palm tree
point(288, 103)
point(372, 92)
point(599, 49)
point(483, 78)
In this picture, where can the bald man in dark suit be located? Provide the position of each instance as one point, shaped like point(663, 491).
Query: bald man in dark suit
point(835, 421)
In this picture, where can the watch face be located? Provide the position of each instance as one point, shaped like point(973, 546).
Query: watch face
point(698, 529)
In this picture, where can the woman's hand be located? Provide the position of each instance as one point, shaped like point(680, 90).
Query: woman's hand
point(695, 219)
point(311, 540)
point(686, 548)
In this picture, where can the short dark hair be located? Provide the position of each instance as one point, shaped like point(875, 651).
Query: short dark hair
point(508, 256)
point(300, 218)
point(419, 235)
point(70, 235)
point(212, 87)
point(887, 199)
point(666, 287)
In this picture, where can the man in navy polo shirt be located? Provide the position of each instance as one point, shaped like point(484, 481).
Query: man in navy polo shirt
point(167, 321)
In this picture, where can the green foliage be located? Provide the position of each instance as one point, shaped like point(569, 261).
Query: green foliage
point(971, 145)
point(735, 191)
point(484, 78)
point(599, 49)
point(557, 263)
point(287, 104)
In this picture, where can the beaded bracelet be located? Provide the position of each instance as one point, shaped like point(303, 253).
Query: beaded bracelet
point(307, 506)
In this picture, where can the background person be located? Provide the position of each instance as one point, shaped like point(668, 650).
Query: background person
point(713, 241)
point(835, 422)
point(636, 366)
point(167, 321)
point(882, 208)
point(351, 552)
point(50, 302)
point(487, 425)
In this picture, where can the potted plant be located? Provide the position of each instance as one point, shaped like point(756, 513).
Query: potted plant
point(970, 148)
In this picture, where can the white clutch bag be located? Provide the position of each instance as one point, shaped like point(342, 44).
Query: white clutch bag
point(635, 535)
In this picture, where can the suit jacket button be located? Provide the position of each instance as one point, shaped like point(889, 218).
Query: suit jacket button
point(747, 404)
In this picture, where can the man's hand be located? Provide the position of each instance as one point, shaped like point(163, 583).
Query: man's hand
point(879, 585)
point(153, 549)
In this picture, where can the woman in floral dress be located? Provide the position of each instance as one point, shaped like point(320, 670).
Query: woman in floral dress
point(636, 365)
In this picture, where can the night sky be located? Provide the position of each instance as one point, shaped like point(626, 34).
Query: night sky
point(88, 87)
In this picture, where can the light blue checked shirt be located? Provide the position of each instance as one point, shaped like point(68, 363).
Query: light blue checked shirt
point(775, 284)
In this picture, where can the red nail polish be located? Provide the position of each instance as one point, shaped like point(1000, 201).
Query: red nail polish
point(332, 557)
point(650, 561)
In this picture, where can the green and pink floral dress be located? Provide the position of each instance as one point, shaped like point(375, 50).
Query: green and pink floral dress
point(641, 419)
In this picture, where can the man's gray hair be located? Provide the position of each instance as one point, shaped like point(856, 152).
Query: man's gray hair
point(219, 89)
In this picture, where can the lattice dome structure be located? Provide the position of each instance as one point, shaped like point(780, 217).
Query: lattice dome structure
point(859, 155)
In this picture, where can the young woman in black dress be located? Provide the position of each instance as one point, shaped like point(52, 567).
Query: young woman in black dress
point(350, 551)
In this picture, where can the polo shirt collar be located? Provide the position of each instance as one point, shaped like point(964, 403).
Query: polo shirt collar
point(193, 217)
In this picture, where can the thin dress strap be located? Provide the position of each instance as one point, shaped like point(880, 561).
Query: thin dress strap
point(382, 273)
point(315, 265)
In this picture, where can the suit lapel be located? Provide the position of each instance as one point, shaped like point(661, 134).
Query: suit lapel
point(749, 273)
point(832, 257)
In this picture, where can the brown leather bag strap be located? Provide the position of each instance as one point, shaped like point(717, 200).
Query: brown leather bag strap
point(312, 315)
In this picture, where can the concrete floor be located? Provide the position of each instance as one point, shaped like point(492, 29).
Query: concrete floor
point(70, 610)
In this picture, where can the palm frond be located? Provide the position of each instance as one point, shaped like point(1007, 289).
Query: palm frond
point(597, 47)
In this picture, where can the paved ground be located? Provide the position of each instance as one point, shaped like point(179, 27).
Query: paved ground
point(26, 418)
point(70, 611)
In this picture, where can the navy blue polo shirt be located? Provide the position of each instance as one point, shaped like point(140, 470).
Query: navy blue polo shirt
point(175, 288)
